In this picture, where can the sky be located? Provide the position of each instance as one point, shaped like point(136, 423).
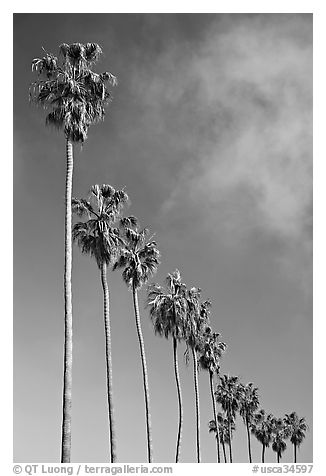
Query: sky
point(210, 133)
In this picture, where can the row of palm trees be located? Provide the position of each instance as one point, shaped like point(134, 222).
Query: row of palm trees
point(177, 312)
point(235, 397)
point(114, 240)
point(76, 97)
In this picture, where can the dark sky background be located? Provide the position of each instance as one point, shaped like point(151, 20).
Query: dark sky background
point(210, 133)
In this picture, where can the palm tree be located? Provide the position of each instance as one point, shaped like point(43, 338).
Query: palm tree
point(262, 428)
point(76, 97)
point(196, 323)
point(280, 432)
point(297, 430)
point(223, 430)
point(228, 395)
point(99, 237)
point(139, 259)
point(248, 404)
point(210, 361)
point(168, 309)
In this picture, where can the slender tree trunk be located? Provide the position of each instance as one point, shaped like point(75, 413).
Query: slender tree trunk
point(295, 452)
point(177, 380)
point(145, 379)
point(108, 355)
point(224, 452)
point(249, 442)
point(230, 435)
point(194, 355)
point(67, 370)
point(215, 417)
point(278, 457)
point(263, 455)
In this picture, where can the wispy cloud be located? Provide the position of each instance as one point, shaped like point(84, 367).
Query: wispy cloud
point(236, 109)
point(231, 116)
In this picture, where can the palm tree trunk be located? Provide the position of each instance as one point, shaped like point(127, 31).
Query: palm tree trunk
point(295, 453)
point(230, 436)
point(263, 454)
point(249, 443)
point(224, 452)
point(215, 417)
point(107, 328)
point(194, 355)
point(177, 379)
point(278, 457)
point(145, 379)
point(67, 370)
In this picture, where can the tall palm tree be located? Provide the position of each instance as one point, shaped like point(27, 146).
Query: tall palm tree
point(99, 237)
point(262, 428)
point(228, 395)
point(248, 404)
point(223, 430)
point(196, 323)
point(210, 360)
point(168, 308)
point(76, 97)
point(297, 430)
point(139, 259)
point(280, 432)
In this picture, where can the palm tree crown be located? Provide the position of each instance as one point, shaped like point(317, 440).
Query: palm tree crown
point(297, 428)
point(223, 427)
point(168, 306)
point(74, 93)
point(262, 427)
point(99, 236)
point(249, 401)
point(197, 322)
point(280, 432)
point(139, 257)
point(212, 350)
point(228, 393)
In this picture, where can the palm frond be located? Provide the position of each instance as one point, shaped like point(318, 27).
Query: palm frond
point(129, 222)
point(93, 51)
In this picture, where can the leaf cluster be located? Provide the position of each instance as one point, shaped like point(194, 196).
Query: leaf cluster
point(66, 85)
point(139, 257)
point(100, 235)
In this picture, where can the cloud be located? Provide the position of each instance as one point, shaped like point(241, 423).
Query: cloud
point(234, 112)
point(230, 116)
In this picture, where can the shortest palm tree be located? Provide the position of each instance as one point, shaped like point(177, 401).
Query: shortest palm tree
point(297, 428)
point(222, 430)
point(262, 427)
point(139, 258)
point(280, 432)
point(248, 403)
point(228, 395)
